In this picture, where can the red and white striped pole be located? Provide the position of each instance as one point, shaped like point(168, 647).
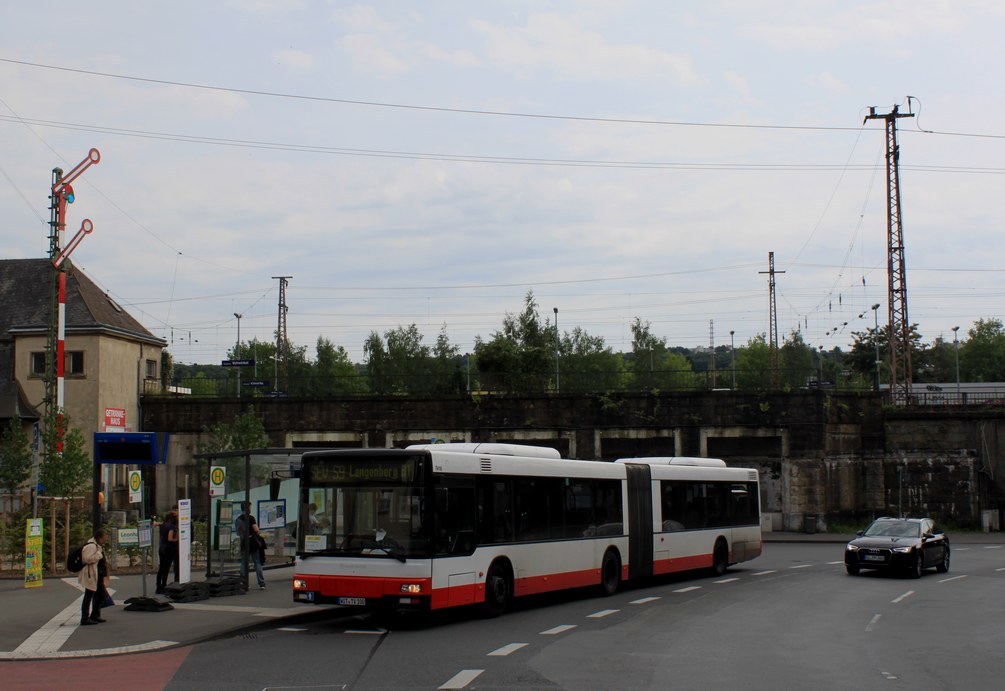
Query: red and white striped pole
point(63, 192)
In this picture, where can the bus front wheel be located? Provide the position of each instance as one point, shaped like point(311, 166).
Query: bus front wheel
point(498, 590)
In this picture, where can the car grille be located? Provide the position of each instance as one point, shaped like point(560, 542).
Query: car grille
point(874, 556)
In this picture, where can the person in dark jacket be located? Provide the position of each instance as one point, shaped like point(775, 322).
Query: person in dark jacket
point(167, 552)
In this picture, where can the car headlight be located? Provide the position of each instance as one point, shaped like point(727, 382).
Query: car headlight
point(903, 550)
point(850, 548)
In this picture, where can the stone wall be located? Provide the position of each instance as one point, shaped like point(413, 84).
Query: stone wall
point(842, 458)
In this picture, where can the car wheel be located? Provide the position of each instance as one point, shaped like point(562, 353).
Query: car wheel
point(852, 569)
point(498, 589)
point(720, 557)
point(919, 565)
point(610, 573)
point(943, 565)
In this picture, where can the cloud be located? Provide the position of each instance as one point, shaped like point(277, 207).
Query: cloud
point(555, 43)
point(294, 60)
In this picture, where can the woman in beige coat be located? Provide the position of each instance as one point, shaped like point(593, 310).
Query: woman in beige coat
point(92, 579)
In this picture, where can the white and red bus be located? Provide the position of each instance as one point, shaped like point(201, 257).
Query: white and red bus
point(444, 525)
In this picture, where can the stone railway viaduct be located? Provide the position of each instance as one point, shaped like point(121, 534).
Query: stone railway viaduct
point(824, 458)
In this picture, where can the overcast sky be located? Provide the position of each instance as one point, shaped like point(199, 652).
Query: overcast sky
point(431, 162)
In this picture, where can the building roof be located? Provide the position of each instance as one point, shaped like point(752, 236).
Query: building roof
point(26, 292)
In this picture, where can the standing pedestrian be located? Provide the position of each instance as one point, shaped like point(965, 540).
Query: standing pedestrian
point(167, 550)
point(252, 544)
point(92, 579)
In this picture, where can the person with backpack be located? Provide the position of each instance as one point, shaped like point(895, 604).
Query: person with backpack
point(252, 543)
point(91, 578)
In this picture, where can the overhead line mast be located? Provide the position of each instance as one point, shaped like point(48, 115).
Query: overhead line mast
point(899, 333)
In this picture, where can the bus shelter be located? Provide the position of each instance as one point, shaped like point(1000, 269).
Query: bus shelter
point(268, 481)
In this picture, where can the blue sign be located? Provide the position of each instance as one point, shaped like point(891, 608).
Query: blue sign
point(125, 447)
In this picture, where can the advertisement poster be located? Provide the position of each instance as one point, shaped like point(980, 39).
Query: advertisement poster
point(184, 540)
point(33, 553)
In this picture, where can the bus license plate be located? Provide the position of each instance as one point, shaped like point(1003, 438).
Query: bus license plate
point(356, 601)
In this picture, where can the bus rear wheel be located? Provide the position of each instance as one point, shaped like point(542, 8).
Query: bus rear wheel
point(498, 590)
point(610, 573)
point(720, 557)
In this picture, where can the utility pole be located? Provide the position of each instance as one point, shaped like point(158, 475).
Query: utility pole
point(711, 348)
point(557, 388)
point(237, 354)
point(773, 322)
point(281, 337)
point(900, 325)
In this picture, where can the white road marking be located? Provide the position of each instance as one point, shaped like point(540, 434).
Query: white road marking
point(51, 636)
point(100, 652)
point(873, 622)
point(906, 595)
point(954, 578)
point(801, 566)
point(291, 628)
point(602, 613)
point(831, 563)
point(461, 679)
point(507, 649)
point(688, 589)
point(644, 600)
point(726, 580)
point(366, 632)
point(558, 629)
point(763, 573)
point(888, 676)
point(961, 549)
point(999, 569)
point(992, 547)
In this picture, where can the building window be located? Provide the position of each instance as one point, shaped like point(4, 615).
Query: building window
point(37, 364)
point(151, 369)
point(73, 362)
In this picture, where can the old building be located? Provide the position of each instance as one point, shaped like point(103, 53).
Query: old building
point(110, 358)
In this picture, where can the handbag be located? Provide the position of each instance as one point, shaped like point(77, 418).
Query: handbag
point(108, 602)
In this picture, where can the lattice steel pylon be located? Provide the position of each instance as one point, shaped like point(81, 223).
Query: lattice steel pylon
point(282, 339)
point(899, 325)
point(776, 382)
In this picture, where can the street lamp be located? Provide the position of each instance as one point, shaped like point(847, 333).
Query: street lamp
point(875, 338)
point(236, 349)
point(956, 345)
point(732, 357)
point(557, 388)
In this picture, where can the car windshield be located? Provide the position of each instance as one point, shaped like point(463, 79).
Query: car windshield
point(893, 529)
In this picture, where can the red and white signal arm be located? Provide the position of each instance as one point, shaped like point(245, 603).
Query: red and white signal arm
point(115, 419)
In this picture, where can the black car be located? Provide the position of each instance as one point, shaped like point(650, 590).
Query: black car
point(906, 544)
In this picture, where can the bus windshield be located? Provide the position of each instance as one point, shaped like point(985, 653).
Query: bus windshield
point(367, 506)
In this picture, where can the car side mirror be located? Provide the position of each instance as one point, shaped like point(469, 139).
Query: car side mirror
point(859, 533)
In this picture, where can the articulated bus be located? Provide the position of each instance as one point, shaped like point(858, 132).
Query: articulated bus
point(442, 525)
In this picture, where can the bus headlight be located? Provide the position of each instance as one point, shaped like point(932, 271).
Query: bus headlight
point(411, 588)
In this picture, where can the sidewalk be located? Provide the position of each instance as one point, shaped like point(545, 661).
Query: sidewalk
point(43, 623)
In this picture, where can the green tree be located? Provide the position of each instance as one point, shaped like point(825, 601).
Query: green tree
point(652, 365)
point(798, 362)
point(586, 363)
point(246, 432)
point(15, 457)
point(69, 473)
point(982, 355)
point(520, 357)
point(333, 371)
point(753, 365)
point(445, 366)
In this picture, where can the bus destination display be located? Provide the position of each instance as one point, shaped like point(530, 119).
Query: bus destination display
point(362, 470)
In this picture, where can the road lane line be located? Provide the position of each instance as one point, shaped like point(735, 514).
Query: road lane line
point(507, 649)
point(801, 566)
point(873, 622)
point(763, 573)
point(954, 578)
point(727, 580)
point(906, 595)
point(992, 547)
point(644, 600)
point(602, 613)
point(461, 679)
point(688, 589)
point(999, 569)
point(558, 629)
point(831, 563)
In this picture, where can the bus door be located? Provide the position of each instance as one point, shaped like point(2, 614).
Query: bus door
point(640, 520)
